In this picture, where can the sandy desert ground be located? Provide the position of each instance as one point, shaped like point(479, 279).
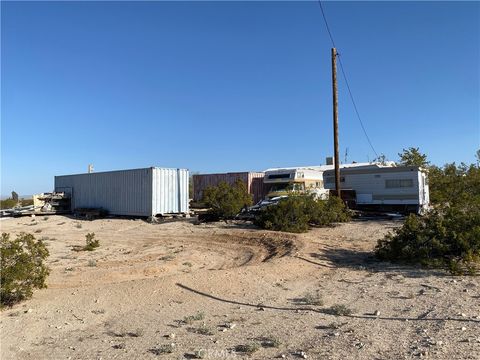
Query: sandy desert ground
point(167, 291)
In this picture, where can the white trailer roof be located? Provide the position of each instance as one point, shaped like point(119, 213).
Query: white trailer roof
point(330, 167)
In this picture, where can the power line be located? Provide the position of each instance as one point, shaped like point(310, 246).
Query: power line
point(326, 23)
point(345, 78)
point(355, 106)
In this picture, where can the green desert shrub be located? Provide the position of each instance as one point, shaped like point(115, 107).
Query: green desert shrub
point(192, 318)
point(339, 309)
point(327, 212)
point(249, 348)
point(288, 215)
point(297, 213)
point(22, 268)
point(225, 201)
point(453, 184)
point(448, 236)
point(163, 349)
point(8, 203)
point(91, 242)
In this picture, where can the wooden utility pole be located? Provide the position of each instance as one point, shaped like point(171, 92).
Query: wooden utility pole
point(335, 121)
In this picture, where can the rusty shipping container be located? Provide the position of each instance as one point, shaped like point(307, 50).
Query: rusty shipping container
point(253, 180)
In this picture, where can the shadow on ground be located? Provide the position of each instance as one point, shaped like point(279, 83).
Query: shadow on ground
point(331, 257)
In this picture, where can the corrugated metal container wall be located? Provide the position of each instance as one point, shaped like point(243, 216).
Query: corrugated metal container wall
point(253, 180)
point(124, 192)
point(170, 191)
point(137, 192)
point(201, 182)
point(256, 186)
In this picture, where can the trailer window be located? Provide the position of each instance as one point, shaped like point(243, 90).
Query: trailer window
point(279, 176)
point(398, 183)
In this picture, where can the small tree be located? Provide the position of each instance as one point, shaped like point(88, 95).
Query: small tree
point(225, 201)
point(14, 196)
point(382, 159)
point(413, 157)
point(22, 267)
point(453, 184)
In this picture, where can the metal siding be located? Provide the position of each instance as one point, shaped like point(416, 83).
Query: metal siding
point(124, 192)
point(138, 192)
point(366, 183)
point(255, 187)
point(170, 191)
point(185, 198)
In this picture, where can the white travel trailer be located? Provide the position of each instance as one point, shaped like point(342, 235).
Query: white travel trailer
point(378, 187)
point(299, 179)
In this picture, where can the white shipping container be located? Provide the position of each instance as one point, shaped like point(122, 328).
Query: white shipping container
point(138, 192)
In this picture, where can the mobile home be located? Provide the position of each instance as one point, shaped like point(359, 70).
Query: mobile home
point(403, 188)
point(138, 192)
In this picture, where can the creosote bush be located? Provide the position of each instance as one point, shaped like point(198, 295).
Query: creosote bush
point(192, 318)
point(271, 342)
point(91, 242)
point(340, 310)
point(203, 330)
point(225, 201)
point(447, 237)
point(297, 213)
point(249, 348)
point(22, 267)
point(162, 349)
point(312, 299)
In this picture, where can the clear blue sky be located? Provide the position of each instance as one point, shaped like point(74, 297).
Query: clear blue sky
point(230, 86)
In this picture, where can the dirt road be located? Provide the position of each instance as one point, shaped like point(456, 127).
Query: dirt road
point(221, 291)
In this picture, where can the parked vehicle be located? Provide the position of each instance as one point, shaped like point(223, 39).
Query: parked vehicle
point(250, 212)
